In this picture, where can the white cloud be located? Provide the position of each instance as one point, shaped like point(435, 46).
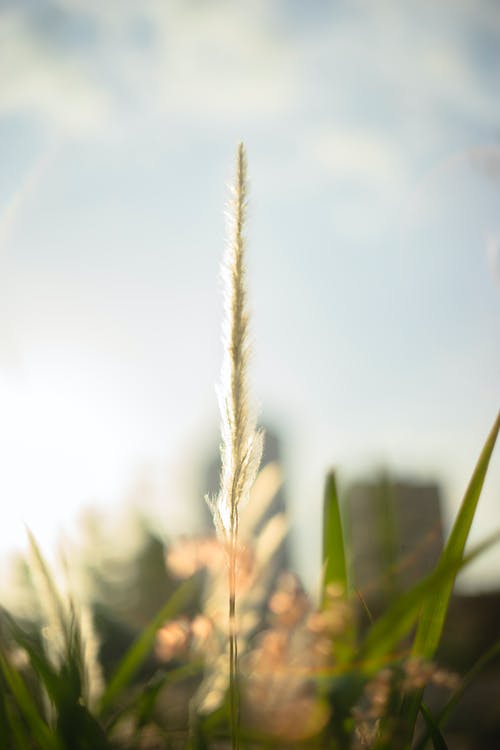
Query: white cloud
point(392, 66)
point(212, 64)
point(41, 82)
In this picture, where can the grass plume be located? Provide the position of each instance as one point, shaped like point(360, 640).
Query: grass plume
point(241, 446)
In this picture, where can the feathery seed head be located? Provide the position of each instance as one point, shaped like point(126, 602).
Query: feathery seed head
point(241, 446)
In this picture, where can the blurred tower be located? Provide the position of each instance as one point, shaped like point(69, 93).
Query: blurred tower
point(395, 535)
point(272, 452)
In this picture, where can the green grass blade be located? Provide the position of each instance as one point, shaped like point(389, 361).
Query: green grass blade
point(334, 560)
point(4, 717)
point(143, 644)
point(435, 735)
point(433, 614)
point(388, 631)
point(17, 730)
point(45, 738)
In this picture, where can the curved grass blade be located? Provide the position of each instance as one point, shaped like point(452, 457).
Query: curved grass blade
point(433, 614)
point(334, 560)
point(142, 645)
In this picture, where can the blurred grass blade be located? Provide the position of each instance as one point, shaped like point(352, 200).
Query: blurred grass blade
point(433, 614)
point(435, 735)
point(46, 588)
point(388, 631)
point(44, 737)
point(38, 659)
point(18, 731)
point(143, 644)
point(334, 560)
point(4, 718)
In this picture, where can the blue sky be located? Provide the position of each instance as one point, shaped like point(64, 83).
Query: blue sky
point(373, 136)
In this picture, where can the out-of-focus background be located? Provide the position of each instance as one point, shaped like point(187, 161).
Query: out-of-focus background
point(373, 135)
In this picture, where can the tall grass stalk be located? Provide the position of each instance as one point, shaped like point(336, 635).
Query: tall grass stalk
point(241, 446)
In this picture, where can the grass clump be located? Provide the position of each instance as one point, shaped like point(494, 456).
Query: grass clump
point(238, 655)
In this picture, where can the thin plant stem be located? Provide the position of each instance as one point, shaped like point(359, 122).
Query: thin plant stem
point(241, 446)
point(234, 707)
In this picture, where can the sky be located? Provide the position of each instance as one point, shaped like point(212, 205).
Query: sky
point(373, 137)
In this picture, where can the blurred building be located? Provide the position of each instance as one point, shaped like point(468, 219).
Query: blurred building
point(395, 535)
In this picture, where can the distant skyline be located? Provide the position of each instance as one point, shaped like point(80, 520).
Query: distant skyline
point(373, 137)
